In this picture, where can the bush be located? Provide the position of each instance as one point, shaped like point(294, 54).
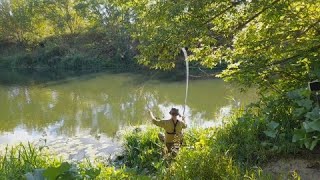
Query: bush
point(204, 161)
point(242, 138)
point(21, 60)
point(143, 150)
point(214, 153)
point(307, 113)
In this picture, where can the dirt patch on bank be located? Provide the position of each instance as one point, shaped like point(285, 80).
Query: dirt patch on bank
point(306, 168)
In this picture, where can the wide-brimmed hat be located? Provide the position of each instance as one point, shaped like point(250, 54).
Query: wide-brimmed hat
point(174, 111)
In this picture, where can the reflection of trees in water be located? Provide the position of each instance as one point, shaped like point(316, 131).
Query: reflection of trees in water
point(37, 108)
point(102, 105)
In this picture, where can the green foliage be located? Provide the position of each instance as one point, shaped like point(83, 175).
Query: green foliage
point(272, 45)
point(16, 19)
point(143, 150)
point(272, 129)
point(72, 53)
point(30, 162)
point(290, 119)
point(243, 140)
point(17, 161)
point(204, 163)
point(73, 35)
point(202, 158)
point(66, 170)
point(219, 153)
point(63, 171)
point(309, 114)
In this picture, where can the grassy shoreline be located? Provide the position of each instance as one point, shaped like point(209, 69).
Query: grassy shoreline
point(234, 151)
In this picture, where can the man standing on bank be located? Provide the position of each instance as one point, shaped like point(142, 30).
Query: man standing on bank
point(173, 128)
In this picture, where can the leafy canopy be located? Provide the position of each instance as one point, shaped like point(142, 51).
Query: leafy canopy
point(274, 44)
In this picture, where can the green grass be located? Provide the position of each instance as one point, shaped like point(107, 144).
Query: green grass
point(17, 161)
point(27, 161)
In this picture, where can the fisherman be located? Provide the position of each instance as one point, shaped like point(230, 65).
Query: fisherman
point(173, 128)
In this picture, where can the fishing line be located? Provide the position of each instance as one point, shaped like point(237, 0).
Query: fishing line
point(187, 78)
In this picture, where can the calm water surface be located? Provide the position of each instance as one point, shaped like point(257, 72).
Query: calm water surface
point(80, 116)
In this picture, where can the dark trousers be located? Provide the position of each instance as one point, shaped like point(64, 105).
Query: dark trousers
point(168, 145)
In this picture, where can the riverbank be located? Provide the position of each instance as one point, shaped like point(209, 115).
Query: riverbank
point(233, 151)
point(89, 51)
point(86, 53)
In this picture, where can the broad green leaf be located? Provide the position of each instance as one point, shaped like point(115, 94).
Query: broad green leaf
point(313, 144)
point(306, 103)
point(307, 143)
point(37, 174)
point(315, 125)
point(271, 133)
point(299, 112)
point(314, 114)
point(307, 127)
point(294, 95)
point(53, 172)
point(298, 135)
point(273, 125)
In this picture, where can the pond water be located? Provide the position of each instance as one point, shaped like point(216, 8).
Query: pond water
point(81, 115)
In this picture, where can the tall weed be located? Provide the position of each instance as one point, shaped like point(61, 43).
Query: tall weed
point(17, 161)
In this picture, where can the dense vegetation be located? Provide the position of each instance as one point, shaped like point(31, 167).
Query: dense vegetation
point(271, 45)
point(29, 162)
point(228, 152)
point(72, 34)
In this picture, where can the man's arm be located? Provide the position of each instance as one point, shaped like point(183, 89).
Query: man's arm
point(155, 121)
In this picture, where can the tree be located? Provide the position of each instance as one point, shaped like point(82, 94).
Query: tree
point(63, 15)
point(272, 44)
point(16, 18)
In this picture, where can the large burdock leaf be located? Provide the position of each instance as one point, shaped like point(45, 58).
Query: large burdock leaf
point(315, 125)
point(52, 173)
point(273, 125)
point(307, 127)
point(298, 135)
point(314, 114)
point(271, 133)
point(306, 103)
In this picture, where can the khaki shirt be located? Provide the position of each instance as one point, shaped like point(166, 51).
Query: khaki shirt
point(168, 126)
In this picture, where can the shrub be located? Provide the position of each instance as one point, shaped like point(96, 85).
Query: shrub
point(143, 150)
point(204, 161)
point(207, 155)
point(242, 138)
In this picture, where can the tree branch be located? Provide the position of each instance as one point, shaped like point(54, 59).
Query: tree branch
point(220, 13)
point(299, 54)
point(242, 25)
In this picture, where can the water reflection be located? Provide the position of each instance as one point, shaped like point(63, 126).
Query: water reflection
point(105, 102)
